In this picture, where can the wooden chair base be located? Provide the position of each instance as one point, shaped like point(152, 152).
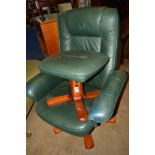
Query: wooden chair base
point(76, 94)
point(88, 141)
point(112, 120)
point(57, 130)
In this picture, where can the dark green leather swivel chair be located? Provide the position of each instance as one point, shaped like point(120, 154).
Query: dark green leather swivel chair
point(91, 33)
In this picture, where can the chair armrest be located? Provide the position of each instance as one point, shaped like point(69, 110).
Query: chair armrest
point(40, 85)
point(104, 105)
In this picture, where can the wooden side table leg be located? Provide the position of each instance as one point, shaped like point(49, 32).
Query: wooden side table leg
point(57, 130)
point(88, 141)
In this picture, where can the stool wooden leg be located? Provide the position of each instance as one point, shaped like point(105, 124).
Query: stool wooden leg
point(57, 130)
point(28, 134)
point(88, 141)
point(112, 120)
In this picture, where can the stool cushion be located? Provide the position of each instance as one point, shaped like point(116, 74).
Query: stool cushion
point(63, 115)
point(74, 65)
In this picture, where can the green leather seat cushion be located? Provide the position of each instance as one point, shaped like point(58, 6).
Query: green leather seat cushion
point(64, 115)
point(74, 65)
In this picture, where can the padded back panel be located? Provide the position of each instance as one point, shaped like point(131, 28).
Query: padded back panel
point(94, 29)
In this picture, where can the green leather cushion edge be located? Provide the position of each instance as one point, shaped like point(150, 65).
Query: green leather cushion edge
point(74, 65)
point(40, 85)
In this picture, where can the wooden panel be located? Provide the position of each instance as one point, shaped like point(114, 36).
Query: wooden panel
point(51, 38)
point(40, 37)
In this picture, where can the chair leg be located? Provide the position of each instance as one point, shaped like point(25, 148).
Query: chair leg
point(112, 120)
point(88, 141)
point(57, 130)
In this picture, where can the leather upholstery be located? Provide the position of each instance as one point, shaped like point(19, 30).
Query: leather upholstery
point(91, 29)
point(85, 29)
point(39, 86)
point(104, 105)
point(64, 115)
point(74, 65)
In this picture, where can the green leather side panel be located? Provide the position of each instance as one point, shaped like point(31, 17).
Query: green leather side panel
point(74, 65)
point(64, 115)
point(109, 45)
point(105, 103)
point(40, 85)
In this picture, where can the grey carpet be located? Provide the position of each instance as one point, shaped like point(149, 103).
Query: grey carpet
point(109, 139)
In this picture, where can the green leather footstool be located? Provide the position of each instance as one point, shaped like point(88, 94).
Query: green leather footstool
point(74, 65)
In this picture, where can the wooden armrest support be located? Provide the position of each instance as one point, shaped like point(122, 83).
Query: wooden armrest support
point(77, 95)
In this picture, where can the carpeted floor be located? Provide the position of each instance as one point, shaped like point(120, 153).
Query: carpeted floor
point(109, 139)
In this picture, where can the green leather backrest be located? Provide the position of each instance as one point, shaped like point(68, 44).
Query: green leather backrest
point(94, 29)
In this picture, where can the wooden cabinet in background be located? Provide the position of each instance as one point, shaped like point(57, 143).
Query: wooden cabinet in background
point(47, 33)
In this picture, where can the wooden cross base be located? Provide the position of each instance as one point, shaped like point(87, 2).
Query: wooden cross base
point(57, 130)
point(88, 139)
point(112, 120)
point(76, 94)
